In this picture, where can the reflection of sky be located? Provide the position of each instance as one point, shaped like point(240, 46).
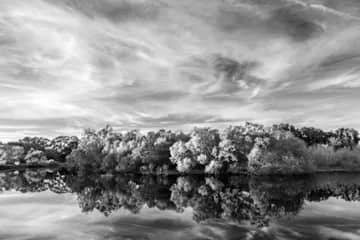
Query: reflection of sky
point(167, 63)
point(330, 219)
point(46, 215)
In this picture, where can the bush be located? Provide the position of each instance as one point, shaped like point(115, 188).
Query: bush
point(286, 155)
point(324, 158)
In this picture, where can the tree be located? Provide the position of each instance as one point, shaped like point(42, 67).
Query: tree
point(312, 136)
point(154, 147)
point(197, 152)
point(235, 145)
point(284, 127)
point(203, 144)
point(9, 154)
point(59, 147)
point(345, 138)
point(182, 156)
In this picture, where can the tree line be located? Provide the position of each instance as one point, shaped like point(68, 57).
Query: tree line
point(252, 147)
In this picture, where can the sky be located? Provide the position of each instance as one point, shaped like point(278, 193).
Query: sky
point(66, 65)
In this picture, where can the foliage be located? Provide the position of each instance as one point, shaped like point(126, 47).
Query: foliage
point(215, 167)
point(203, 144)
point(124, 152)
point(9, 154)
point(197, 152)
point(282, 148)
point(235, 144)
point(102, 150)
point(214, 152)
point(312, 136)
point(154, 147)
point(324, 158)
point(62, 146)
point(345, 138)
point(284, 155)
point(35, 156)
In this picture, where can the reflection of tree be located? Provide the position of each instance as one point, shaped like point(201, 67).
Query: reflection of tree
point(279, 196)
point(237, 198)
point(33, 181)
point(212, 199)
point(107, 193)
point(346, 192)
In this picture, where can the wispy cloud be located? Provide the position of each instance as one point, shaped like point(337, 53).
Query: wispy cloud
point(135, 63)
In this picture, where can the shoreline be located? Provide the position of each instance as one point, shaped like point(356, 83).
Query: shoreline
point(63, 166)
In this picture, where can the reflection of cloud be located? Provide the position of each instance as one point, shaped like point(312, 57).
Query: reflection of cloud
point(331, 233)
point(47, 215)
point(101, 62)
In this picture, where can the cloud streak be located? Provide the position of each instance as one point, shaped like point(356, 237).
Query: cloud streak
point(151, 64)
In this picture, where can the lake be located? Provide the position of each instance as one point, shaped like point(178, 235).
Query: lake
point(48, 204)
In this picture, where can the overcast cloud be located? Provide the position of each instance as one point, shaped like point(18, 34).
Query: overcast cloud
point(69, 64)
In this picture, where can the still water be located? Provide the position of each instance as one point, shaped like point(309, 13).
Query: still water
point(44, 204)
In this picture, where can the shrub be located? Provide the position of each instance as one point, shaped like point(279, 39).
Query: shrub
point(286, 155)
point(324, 158)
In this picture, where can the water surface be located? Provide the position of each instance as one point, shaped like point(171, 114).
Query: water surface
point(43, 204)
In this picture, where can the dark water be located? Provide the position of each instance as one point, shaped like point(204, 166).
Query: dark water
point(44, 204)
